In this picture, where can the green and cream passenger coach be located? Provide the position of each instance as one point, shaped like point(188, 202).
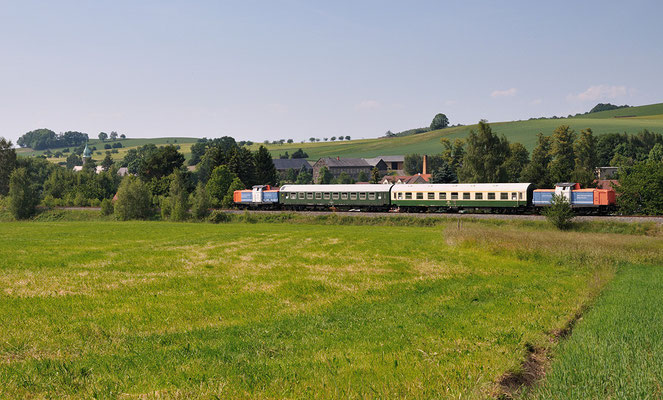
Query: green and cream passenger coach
point(462, 195)
point(361, 197)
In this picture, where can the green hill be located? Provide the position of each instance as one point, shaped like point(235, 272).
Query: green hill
point(630, 120)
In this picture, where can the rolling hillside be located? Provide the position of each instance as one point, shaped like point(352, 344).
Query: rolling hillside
point(630, 120)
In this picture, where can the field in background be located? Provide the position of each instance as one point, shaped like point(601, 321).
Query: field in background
point(637, 118)
point(242, 310)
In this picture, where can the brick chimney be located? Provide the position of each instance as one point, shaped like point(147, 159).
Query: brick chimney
point(425, 167)
point(338, 158)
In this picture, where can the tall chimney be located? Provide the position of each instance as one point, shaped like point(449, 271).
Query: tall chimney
point(338, 158)
point(425, 168)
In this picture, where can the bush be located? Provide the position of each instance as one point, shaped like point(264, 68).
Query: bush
point(23, 199)
point(165, 206)
point(106, 207)
point(201, 202)
point(218, 216)
point(559, 213)
point(134, 200)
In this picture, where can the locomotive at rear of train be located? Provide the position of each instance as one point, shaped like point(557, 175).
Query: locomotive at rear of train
point(497, 197)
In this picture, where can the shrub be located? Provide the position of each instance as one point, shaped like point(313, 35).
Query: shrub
point(201, 202)
point(134, 200)
point(218, 216)
point(23, 199)
point(106, 207)
point(165, 206)
point(559, 213)
point(179, 198)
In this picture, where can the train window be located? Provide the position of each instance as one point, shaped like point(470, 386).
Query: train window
point(443, 196)
point(514, 196)
point(362, 196)
point(400, 195)
point(379, 197)
point(466, 196)
point(408, 196)
point(318, 195)
point(353, 196)
point(454, 195)
point(335, 196)
point(301, 195)
point(478, 196)
point(420, 196)
point(344, 196)
point(327, 196)
point(504, 196)
point(520, 195)
point(491, 196)
point(309, 195)
point(371, 196)
point(431, 196)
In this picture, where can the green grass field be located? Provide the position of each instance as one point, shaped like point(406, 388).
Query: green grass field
point(178, 310)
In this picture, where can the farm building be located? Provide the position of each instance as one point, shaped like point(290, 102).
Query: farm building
point(406, 179)
point(282, 165)
point(351, 166)
point(393, 163)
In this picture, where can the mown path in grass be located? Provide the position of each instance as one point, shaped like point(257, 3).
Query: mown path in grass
point(154, 309)
point(616, 350)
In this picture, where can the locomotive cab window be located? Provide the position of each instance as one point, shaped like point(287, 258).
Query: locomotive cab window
point(335, 196)
point(408, 196)
point(454, 195)
point(344, 196)
point(478, 196)
point(327, 196)
point(491, 196)
point(431, 196)
point(420, 196)
point(466, 196)
point(504, 196)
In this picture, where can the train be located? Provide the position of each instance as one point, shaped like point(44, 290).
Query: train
point(441, 197)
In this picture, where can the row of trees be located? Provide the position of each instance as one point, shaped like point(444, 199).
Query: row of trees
point(40, 139)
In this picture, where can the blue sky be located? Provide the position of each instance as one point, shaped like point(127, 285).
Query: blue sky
point(294, 69)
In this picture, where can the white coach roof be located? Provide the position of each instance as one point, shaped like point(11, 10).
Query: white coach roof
point(463, 187)
point(336, 188)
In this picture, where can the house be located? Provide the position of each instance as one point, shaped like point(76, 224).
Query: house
point(351, 166)
point(406, 179)
point(284, 164)
point(393, 163)
point(605, 173)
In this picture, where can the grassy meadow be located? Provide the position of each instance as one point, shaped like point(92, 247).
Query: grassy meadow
point(110, 309)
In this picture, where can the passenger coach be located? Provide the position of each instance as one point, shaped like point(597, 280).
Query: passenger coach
point(360, 197)
point(450, 196)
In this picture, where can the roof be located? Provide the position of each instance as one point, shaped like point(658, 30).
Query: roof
point(407, 179)
point(460, 187)
point(344, 162)
point(336, 188)
point(87, 152)
point(392, 158)
point(283, 164)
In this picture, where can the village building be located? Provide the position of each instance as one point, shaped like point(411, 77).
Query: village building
point(351, 166)
point(282, 165)
point(393, 163)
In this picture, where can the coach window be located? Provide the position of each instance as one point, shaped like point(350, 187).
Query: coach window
point(362, 196)
point(504, 196)
point(420, 196)
point(466, 196)
point(514, 196)
point(371, 196)
point(327, 196)
point(301, 195)
point(431, 196)
point(408, 196)
point(353, 196)
point(478, 196)
point(443, 196)
point(491, 196)
point(400, 195)
point(334, 196)
point(318, 195)
point(344, 196)
point(454, 195)
point(520, 195)
point(309, 195)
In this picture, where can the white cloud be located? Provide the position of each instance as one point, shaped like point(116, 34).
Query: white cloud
point(368, 105)
point(504, 93)
point(277, 108)
point(598, 92)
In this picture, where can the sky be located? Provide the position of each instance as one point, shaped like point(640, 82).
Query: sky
point(268, 70)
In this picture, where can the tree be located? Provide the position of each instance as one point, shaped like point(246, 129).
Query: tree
point(484, 157)
point(440, 121)
point(516, 162)
point(559, 213)
point(290, 140)
point(201, 202)
point(324, 176)
point(264, 167)
point(333, 138)
point(563, 157)
point(290, 176)
point(107, 163)
point(235, 185)
point(160, 162)
point(656, 153)
point(7, 164)
point(134, 200)
point(23, 198)
point(113, 135)
point(363, 177)
point(304, 177)
point(586, 159)
point(347, 137)
point(413, 164)
point(40, 139)
point(123, 136)
point(219, 182)
point(299, 154)
point(640, 187)
point(284, 156)
point(242, 164)
point(103, 136)
point(453, 152)
point(537, 172)
point(444, 174)
point(375, 175)
point(179, 197)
